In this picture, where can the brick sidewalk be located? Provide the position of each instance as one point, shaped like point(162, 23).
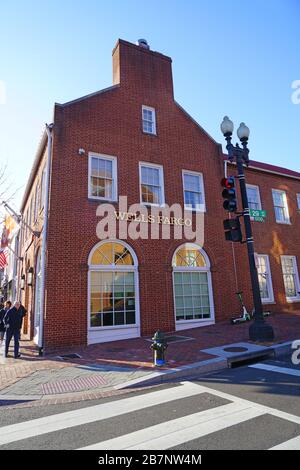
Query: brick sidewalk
point(120, 360)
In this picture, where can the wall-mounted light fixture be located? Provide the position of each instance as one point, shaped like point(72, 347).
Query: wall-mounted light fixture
point(30, 277)
point(23, 281)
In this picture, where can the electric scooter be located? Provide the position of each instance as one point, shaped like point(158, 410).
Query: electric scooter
point(245, 315)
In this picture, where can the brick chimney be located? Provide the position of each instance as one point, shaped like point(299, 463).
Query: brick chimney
point(136, 67)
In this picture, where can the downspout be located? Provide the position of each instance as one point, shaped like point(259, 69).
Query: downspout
point(49, 128)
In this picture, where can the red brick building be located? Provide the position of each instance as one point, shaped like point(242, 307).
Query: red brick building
point(133, 139)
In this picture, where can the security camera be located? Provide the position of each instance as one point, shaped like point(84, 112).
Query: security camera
point(81, 151)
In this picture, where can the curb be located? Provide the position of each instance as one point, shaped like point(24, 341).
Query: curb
point(210, 365)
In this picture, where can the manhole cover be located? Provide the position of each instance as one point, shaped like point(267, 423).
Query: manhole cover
point(235, 349)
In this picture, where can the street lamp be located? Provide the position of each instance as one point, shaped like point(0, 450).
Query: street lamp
point(259, 329)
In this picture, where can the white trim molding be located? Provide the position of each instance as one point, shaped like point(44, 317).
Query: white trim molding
point(151, 123)
point(285, 207)
point(256, 187)
point(104, 334)
point(295, 274)
point(202, 205)
point(268, 277)
point(195, 322)
point(161, 183)
point(114, 160)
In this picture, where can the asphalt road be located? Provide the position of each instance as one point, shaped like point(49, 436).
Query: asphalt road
point(243, 408)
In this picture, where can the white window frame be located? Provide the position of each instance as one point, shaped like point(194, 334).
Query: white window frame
point(254, 186)
point(152, 110)
point(270, 299)
point(114, 161)
point(161, 183)
point(297, 281)
point(202, 207)
point(287, 219)
point(298, 201)
point(99, 334)
point(187, 324)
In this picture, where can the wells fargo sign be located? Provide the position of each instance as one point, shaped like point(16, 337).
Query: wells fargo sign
point(152, 219)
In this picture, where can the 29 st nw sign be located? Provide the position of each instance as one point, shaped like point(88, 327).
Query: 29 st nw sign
point(258, 215)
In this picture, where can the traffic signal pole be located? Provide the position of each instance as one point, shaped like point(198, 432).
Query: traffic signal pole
point(259, 329)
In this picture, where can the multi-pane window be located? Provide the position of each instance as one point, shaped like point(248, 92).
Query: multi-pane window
point(264, 278)
point(112, 299)
point(152, 187)
point(290, 276)
point(148, 118)
point(102, 177)
point(193, 190)
point(298, 201)
point(253, 197)
point(191, 284)
point(280, 206)
point(112, 287)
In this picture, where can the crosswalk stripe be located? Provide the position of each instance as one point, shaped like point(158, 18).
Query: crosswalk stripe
point(292, 444)
point(69, 419)
point(281, 370)
point(178, 431)
point(264, 408)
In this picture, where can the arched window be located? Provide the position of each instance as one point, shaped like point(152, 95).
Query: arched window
point(192, 284)
point(112, 281)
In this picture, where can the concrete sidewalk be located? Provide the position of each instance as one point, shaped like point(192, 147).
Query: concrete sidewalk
point(109, 368)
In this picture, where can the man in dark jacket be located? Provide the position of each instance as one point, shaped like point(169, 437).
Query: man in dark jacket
point(3, 312)
point(13, 323)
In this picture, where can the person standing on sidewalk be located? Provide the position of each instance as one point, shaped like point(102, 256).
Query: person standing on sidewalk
point(13, 323)
point(3, 312)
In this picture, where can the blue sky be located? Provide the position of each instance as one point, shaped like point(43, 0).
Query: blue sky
point(229, 57)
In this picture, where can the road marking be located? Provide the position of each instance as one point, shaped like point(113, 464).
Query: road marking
point(292, 444)
point(178, 431)
point(69, 419)
point(280, 370)
point(265, 409)
point(66, 420)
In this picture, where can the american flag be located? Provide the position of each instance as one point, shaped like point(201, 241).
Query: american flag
point(3, 258)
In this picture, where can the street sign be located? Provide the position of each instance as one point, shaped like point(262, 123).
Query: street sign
point(257, 213)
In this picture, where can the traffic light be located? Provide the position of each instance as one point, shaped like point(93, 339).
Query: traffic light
point(233, 232)
point(229, 194)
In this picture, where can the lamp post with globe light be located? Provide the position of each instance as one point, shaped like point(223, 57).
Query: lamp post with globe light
point(259, 330)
